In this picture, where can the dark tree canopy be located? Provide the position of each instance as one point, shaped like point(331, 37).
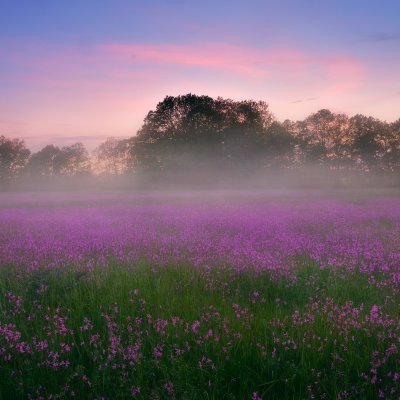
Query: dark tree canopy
point(368, 146)
point(198, 131)
point(42, 163)
point(191, 117)
point(13, 158)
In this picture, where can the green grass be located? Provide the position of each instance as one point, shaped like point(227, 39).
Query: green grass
point(246, 353)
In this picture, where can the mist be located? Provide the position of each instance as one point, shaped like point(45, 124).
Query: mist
point(197, 142)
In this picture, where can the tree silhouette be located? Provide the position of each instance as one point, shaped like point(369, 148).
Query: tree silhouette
point(72, 161)
point(366, 147)
point(13, 158)
point(196, 131)
point(42, 162)
point(114, 156)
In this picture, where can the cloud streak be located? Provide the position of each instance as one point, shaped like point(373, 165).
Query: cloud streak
point(253, 63)
point(382, 37)
point(111, 63)
point(304, 100)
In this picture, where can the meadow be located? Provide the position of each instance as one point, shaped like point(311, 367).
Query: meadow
point(200, 295)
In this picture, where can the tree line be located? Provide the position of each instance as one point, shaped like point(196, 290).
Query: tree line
point(190, 134)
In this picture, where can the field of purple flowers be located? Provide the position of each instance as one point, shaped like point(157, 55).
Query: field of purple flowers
point(245, 295)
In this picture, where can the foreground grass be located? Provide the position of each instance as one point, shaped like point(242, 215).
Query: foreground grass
point(177, 332)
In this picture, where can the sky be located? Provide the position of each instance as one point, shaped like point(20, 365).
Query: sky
point(73, 70)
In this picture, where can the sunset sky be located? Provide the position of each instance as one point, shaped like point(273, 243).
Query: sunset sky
point(87, 70)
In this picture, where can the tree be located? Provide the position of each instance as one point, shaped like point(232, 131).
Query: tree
point(13, 158)
point(177, 118)
point(42, 162)
point(114, 157)
point(366, 146)
point(323, 138)
point(194, 131)
point(72, 160)
point(279, 145)
point(390, 142)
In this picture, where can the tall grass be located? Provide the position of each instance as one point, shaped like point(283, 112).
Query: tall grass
point(149, 332)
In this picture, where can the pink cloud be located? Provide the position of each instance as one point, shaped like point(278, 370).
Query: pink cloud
point(244, 61)
point(220, 57)
point(112, 66)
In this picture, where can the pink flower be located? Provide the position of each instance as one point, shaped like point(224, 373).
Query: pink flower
point(195, 326)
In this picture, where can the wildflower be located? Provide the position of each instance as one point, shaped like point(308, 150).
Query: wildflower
point(195, 326)
point(135, 391)
point(169, 388)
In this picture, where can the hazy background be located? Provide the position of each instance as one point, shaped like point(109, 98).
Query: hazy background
point(198, 142)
